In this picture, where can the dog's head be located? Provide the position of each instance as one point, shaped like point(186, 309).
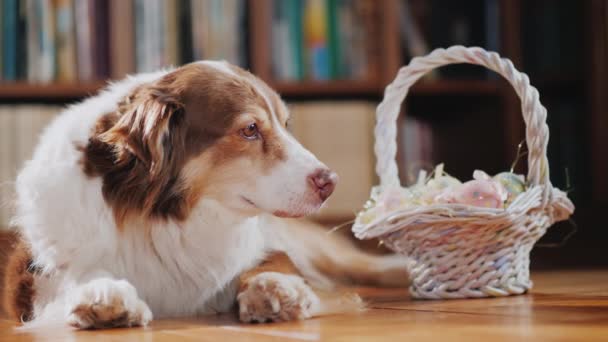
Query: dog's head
point(205, 130)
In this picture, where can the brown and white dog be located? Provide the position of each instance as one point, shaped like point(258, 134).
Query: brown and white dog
point(171, 193)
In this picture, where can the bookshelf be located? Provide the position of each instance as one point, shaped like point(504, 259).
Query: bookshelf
point(53, 91)
point(476, 102)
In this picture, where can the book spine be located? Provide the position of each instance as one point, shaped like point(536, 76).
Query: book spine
point(294, 20)
point(157, 36)
point(9, 34)
point(1, 42)
point(122, 43)
point(22, 63)
point(346, 32)
point(197, 12)
point(33, 46)
point(279, 60)
point(84, 40)
point(333, 39)
point(359, 42)
point(371, 47)
point(241, 26)
point(66, 51)
point(316, 39)
point(171, 49)
point(47, 42)
point(101, 57)
point(185, 31)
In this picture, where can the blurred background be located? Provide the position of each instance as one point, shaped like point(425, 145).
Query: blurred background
point(330, 60)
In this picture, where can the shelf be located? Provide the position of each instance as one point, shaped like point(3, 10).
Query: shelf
point(326, 88)
point(343, 88)
point(51, 91)
point(372, 88)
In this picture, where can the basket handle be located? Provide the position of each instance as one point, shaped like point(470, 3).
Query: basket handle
point(535, 115)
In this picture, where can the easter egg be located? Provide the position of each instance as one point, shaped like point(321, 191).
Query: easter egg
point(513, 183)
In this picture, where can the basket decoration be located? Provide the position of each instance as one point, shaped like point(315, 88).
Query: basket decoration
point(464, 240)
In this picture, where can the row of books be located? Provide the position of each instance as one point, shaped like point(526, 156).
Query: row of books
point(324, 39)
point(69, 40)
point(20, 127)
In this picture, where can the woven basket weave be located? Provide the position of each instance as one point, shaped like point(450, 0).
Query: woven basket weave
point(461, 251)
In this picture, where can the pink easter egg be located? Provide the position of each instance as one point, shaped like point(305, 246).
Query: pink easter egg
point(480, 193)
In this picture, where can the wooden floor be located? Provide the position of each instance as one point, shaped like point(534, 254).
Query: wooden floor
point(566, 305)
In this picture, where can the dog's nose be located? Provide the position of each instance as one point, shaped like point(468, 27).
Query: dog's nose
point(323, 181)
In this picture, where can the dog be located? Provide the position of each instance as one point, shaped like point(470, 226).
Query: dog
point(176, 193)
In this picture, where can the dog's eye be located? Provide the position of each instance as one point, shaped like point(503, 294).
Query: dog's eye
point(250, 132)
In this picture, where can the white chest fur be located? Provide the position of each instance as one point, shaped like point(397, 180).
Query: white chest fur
point(183, 269)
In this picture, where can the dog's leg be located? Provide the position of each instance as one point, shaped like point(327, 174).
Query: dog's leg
point(274, 291)
point(106, 303)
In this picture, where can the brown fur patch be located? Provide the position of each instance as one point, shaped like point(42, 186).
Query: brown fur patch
point(141, 149)
point(8, 241)
point(274, 262)
point(19, 288)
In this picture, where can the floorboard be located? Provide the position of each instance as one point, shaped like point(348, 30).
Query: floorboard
point(564, 305)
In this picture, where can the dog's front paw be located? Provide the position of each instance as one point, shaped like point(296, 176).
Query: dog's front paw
point(107, 303)
point(272, 296)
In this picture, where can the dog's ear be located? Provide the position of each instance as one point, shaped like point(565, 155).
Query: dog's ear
point(149, 127)
point(138, 150)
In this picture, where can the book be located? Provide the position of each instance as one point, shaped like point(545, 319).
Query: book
point(41, 52)
point(281, 59)
point(141, 49)
point(65, 40)
point(47, 69)
point(171, 38)
point(21, 47)
point(346, 127)
point(315, 33)
point(333, 39)
point(347, 33)
point(33, 40)
point(122, 40)
point(1, 41)
point(9, 39)
point(101, 41)
point(185, 31)
point(359, 62)
point(84, 39)
point(155, 23)
point(296, 39)
point(199, 28)
point(369, 18)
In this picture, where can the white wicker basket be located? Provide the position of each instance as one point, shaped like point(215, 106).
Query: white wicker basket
point(461, 251)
